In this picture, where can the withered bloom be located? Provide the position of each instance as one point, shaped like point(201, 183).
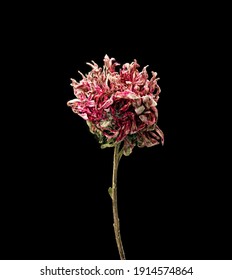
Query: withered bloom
point(119, 106)
point(120, 109)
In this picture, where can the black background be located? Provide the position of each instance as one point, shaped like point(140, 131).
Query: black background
point(173, 199)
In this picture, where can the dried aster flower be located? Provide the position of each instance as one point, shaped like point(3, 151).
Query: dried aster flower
point(120, 109)
point(119, 106)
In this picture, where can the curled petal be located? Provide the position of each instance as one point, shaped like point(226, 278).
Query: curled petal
point(72, 102)
point(139, 110)
point(106, 104)
point(160, 133)
point(143, 118)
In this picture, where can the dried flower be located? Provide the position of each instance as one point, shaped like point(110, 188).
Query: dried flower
point(119, 106)
point(120, 109)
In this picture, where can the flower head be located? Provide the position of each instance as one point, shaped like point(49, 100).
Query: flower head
point(119, 106)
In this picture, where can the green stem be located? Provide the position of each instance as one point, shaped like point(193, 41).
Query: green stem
point(116, 224)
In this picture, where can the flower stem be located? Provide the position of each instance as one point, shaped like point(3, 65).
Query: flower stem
point(116, 224)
